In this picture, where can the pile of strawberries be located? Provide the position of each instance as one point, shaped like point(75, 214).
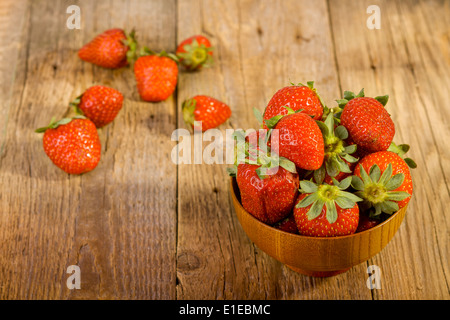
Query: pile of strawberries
point(327, 172)
point(73, 143)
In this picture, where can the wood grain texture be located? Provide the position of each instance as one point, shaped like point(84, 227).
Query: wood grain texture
point(141, 227)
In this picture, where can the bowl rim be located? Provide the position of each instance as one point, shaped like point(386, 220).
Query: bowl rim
point(356, 234)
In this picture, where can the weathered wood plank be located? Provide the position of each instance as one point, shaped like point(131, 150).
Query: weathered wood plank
point(407, 59)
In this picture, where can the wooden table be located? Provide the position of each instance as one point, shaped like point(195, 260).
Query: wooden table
point(141, 227)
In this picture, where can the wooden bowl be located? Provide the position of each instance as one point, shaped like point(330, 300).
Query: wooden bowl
point(316, 256)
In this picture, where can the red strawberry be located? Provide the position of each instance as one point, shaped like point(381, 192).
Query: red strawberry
point(100, 104)
point(369, 124)
point(296, 97)
point(287, 224)
point(269, 199)
point(156, 77)
point(110, 49)
point(384, 181)
point(366, 223)
point(326, 210)
point(73, 145)
point(251, 147)
point(207, 110)
point(195, 52)
point(299, 140)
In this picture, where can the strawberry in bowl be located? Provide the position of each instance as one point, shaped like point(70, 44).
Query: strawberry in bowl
point(354, 184)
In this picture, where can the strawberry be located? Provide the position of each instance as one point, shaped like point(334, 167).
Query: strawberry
point(72, 145)
point(111, 49)
point(100, 104)
point(287, 224)
point(383, 180)
point(207, 110)
point(299, 139)
point(369, 124)
point(156, 76)
point(269, 198)
point(296, 97)
point(195, 52)
point(326, 210)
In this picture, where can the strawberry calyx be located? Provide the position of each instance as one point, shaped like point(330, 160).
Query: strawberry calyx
point(259, 117)
point(336, 150)
point(188, 108)
point(196, 55)
point(377, 189)
point(320, 195)
point(310, 84)
point(55, 124)
point(401, 149)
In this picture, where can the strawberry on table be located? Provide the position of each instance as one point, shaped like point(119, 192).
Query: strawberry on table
point(326, 210)
point(296, 97)
point(156, 76)
point(207, 110)
point(383, 180)
point(369, 124)
point(111, 49)
point(300, 139)
point(195, 52)
point(72, 144)
point(100, 104)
